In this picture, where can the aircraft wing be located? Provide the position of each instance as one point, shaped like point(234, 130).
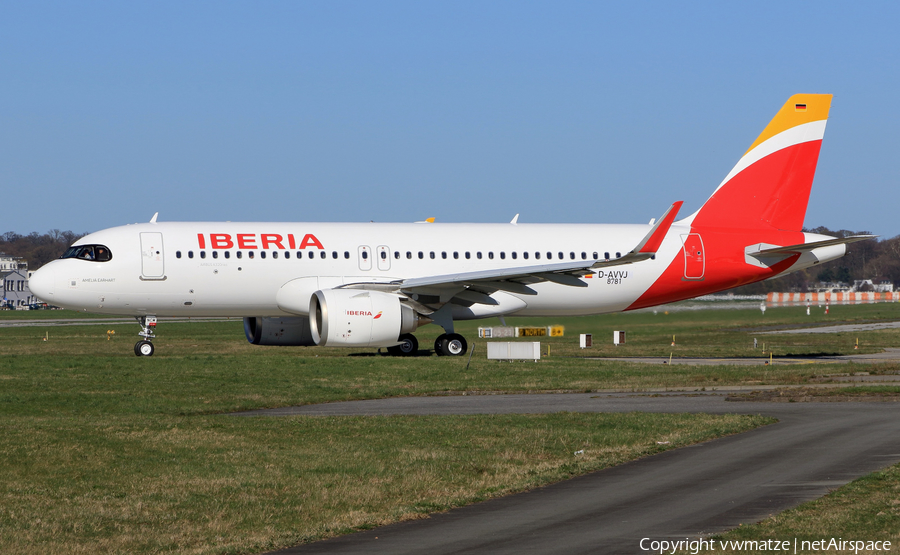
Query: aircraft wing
point(517, 280)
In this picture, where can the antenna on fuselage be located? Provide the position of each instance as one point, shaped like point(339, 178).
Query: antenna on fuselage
point(153, 219)
point(515, 220)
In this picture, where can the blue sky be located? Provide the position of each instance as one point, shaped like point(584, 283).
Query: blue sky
point(398, 111)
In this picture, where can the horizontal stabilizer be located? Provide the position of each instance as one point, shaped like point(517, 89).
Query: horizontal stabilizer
point(765, 250)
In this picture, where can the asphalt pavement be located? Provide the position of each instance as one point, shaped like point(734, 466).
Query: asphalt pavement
point(701, 489)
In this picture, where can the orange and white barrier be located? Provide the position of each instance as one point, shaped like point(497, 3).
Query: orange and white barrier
point(830, 298)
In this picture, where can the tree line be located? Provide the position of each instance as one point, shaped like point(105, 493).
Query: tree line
point(37, 249)
point(875, 259)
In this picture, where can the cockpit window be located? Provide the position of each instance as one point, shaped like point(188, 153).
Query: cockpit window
point(96, 253)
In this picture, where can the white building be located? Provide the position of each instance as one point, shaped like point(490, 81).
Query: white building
point(14, 292)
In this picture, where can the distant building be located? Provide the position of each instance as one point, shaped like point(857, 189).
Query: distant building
point(878, 285)
point(830, 287)
point(14, 292)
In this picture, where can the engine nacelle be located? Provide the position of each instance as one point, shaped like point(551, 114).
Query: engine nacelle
point(355, 318)
point(286, 331)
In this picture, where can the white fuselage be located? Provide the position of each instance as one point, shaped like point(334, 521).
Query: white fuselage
point(238, 269)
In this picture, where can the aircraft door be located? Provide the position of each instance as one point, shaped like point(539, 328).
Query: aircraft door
point(383, 255)
point(152, 259)
point(365, 258)
point(694, 257)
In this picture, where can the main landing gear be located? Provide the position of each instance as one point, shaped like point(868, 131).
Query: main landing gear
point(408, 346)
point(144, 347)
point(447, 344)
point(450, 344)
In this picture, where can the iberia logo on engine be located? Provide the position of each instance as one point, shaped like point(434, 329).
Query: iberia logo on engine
point(363, 313)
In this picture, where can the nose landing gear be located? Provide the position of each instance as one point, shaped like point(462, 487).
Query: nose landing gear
point(144, 347)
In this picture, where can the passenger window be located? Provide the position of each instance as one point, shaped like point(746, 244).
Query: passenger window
point(202, 254)
point(514, 255)
point(311, 255)
point(549, 256)
point(238, 254)
point(421, 255)
point(606, 255)
point(322, 255)
point(572, 255)
point(396, 255)
point(502, 255)
point(408, 255)
point(177, 254)
point(190, 254)
point(584, 256)
point(227, 254)
point(455, 255)
point(444, 255)
point(524, 255)
point(287, 254)
point(347, 255)
point(274, 254)
point(537, 255)
point(365, 255)
point(334, 255)
point(215, 254)
point(262, 254)
point(468, 255)
point(618, 255)
point(383, 255)
point(250, 255)
point(479, 255)
point(491, 255)
point(595, 256)
point(431, 254)
point(561, 256)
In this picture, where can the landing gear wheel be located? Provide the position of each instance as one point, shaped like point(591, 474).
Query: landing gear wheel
point(450, 344)
point(408, 346)
point(455, 345)
point(440, 345)
point(143, 349)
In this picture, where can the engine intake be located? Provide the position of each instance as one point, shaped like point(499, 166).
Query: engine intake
point(354, 318)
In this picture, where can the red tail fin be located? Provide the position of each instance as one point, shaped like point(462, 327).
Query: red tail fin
point(769, 187)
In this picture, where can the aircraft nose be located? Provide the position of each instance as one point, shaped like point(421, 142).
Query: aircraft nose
point(42, 282)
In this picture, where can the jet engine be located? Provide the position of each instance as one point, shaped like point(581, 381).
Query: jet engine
point(355, 318)
point(286, 331)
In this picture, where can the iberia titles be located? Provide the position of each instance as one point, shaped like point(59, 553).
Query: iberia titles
point(265, 241)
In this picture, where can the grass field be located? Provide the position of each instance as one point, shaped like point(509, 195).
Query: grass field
point(103, 451)
point(867, 509)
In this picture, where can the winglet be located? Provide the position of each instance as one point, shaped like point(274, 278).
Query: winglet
point(650, 243)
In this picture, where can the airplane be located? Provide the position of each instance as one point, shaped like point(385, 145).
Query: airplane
point(373, 284)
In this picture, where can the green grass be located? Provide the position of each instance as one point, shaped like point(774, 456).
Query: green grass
point(866, 509)
point(222, 484)
point(102, 451)
point(194, 358)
